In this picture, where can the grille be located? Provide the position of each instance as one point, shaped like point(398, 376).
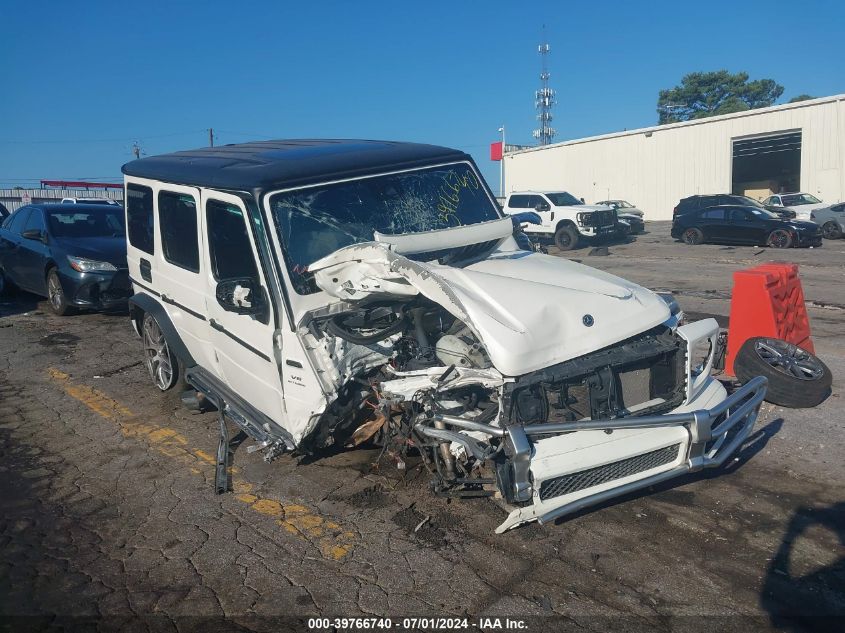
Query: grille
point(574, 482)
point(600, 218)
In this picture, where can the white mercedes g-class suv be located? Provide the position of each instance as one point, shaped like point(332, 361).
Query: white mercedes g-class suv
point(335, 292)
point(565, 218)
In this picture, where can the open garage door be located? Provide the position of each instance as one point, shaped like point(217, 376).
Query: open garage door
point(763, 165)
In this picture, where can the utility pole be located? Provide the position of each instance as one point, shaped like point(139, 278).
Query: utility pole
point(136, 149)
point(211, 137)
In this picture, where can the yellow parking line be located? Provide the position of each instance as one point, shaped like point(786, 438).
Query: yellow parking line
point(333, 541)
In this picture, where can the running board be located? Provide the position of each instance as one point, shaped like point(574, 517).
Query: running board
point(267, 434)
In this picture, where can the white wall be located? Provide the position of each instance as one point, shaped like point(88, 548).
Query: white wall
point(653, 168)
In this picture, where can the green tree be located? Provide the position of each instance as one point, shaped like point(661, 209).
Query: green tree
point(800, 98)
point(701, 95)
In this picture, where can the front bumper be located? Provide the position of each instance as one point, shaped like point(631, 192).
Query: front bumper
point(592, 461)
point(597, 231)
point(96, 290)
point(805, 239)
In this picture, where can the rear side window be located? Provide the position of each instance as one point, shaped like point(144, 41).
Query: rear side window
point(518, 202)
point(228, 242)
point(712, 214)
point(177, 217)
point(139, 217)
point(18, 219)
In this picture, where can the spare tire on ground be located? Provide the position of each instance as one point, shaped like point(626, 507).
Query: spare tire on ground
point(797, 378)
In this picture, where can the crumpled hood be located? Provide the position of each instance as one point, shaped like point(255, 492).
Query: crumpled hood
point(530, 310)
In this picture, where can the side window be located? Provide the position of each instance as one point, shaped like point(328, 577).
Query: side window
point(18, 220)
point(839, 208)
point(740, 215)
point(35, 221)
point(177, 217)
point(518, 202)
point(713, 214)
point(228, 242)
point(139, 217)
point(533, 201)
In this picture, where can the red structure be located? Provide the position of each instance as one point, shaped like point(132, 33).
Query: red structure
point(767, 300)
point(80, 184)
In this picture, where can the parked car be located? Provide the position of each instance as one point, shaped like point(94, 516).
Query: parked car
point(697, 202)
point(744, 225)
point(630, 217)
point(831, 219)
point(801, 203)
point(73, 254)
point(566, 219)
point(334, 293)
point(621, 207)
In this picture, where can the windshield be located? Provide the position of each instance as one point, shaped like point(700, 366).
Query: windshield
point(752, 202)
point(316, 221)
point(563, 199)
point(798, 199)
point(105, 222)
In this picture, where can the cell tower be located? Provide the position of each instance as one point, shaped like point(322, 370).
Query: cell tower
point(544, 99)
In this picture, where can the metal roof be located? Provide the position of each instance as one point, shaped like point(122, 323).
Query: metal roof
point(283, 163)
point(755, 112)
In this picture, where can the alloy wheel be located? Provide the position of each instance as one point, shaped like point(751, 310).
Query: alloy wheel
point(780, 239)
point(831, 231)
point(789, 359)
point(157, 356)
point(55, 294)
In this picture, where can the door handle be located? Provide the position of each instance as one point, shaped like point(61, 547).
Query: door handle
point(146, 270)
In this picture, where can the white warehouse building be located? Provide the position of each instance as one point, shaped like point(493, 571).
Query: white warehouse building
point(792, 147)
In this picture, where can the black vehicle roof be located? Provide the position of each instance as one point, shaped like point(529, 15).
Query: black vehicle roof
point(72, 206)
point(282, 163)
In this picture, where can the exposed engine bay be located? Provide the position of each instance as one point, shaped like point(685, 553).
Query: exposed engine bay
point(419, 382)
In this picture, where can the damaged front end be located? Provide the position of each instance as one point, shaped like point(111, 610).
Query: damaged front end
point(503, 386)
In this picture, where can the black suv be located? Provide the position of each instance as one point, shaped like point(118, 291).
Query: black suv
point(694, 203)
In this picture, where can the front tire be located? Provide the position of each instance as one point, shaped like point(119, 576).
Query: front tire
point(56, 298)
point(162, 364)
point(692, 236)
point(566, 238)
point(797, 378)
point(831, 231)
point(779, 238)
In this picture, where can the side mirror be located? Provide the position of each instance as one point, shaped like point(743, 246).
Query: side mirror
point(34, 234)
point(582, 201)
point(542, 206)
point(241, 296)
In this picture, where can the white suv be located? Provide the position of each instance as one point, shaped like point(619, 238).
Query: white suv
point(340, 293)
point(801, 203)
point(564, 217)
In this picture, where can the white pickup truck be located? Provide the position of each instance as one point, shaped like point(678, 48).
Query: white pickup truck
point(564, 217)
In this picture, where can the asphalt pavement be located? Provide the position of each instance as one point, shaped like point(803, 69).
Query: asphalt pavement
point(108, 515)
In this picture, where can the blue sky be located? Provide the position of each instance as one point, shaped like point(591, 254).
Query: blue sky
point(82, 81)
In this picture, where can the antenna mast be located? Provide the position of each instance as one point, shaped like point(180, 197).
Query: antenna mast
point(544, 98)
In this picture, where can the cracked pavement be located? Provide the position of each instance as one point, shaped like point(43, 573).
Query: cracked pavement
point(109, 508)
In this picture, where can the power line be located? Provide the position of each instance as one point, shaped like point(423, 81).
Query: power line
point(101, 140)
